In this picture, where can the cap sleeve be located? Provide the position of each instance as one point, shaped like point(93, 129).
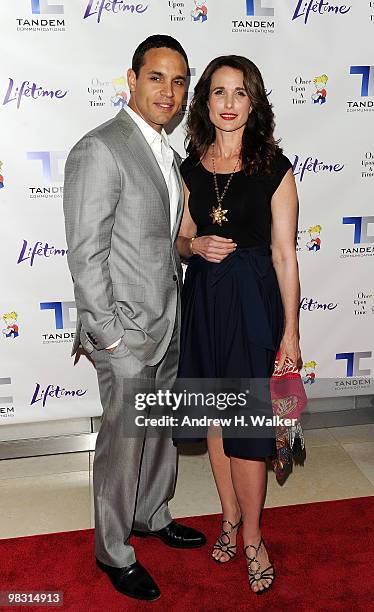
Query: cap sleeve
point(186, 169)
point(282, 165)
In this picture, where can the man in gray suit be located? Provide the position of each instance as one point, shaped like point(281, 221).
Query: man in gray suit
point(123, 202)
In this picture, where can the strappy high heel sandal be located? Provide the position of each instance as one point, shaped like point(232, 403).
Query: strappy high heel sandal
point(254, 569)
point(223, 542)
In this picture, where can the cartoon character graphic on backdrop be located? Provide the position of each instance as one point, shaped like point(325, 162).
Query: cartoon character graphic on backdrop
point(119, 99)
point(310, 374)
point(314, 243)
point(11, 330)
point(319, 96)
point(200, 12)
point(1, 176)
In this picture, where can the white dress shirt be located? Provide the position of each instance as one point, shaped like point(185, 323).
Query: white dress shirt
point(164, 155)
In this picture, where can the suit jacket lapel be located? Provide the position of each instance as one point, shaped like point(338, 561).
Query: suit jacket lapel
point(143, 152)
point(181, 199)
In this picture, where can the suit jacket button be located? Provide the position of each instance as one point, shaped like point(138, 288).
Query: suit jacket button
point(175, 277)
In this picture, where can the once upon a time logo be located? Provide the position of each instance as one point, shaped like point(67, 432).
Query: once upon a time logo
point(17, 93)
point(313, 91)
point(304, 9)
point(114, 92)
point(363, 303)
point(312, 165)
point(98, 8)
point(309, 239)
point(11, 327)
point(30, 252)
point(1, 175)
point(367, 165)
point(178, 10)
point(364, 76)
point(309, 372)
point(63, 316)
point(255, 21)
point(199, 14)
point(54, 391)
point(50, 164)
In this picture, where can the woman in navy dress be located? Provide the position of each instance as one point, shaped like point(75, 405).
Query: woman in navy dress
point(241, 293)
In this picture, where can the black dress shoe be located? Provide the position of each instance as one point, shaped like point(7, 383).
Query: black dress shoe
point(133, 581)
point(176, 535)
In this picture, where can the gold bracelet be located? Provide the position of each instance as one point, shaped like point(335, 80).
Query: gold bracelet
point(191, 241)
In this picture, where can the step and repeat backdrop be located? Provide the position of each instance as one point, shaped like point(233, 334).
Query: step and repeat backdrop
point(63, 72)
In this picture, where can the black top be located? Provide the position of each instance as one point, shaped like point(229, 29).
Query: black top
point(247, 201)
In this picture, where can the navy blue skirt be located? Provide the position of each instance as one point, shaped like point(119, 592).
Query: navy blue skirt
point(232, 324)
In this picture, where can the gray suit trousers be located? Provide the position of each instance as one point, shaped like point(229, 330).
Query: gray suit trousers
point(133, 477)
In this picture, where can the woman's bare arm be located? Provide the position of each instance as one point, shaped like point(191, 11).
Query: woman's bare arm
point(284, 207)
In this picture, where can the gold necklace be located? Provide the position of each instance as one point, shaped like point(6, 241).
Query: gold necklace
point(218, 214)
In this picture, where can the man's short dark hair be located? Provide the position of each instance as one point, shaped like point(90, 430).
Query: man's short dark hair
point(157, 41)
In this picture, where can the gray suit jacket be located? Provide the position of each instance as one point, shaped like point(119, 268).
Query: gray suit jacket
point(125, 267)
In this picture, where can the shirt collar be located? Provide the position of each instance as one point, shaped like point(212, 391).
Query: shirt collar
point(148, 132)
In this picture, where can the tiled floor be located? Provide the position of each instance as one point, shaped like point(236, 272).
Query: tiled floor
point(54, 493)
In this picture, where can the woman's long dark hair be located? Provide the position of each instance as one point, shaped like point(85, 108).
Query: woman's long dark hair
point(259, 148)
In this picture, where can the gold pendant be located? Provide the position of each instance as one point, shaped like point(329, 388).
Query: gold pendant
point(218, 215)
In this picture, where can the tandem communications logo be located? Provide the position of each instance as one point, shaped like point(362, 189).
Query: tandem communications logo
point(6, 400)
point(189, 94)
point(49, 166)
point(259, 18)
point(45, 16)
point(62, 317)
point(364, 100)
point(356, 371)
point(362, 235)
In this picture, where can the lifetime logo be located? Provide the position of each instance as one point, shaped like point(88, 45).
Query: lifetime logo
point(62, 310)
point(255, 9)
point(367, 79)
point(353, 362)
point(6, 399)
point(361, 231)
point(52, 168)
point(42, 7)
